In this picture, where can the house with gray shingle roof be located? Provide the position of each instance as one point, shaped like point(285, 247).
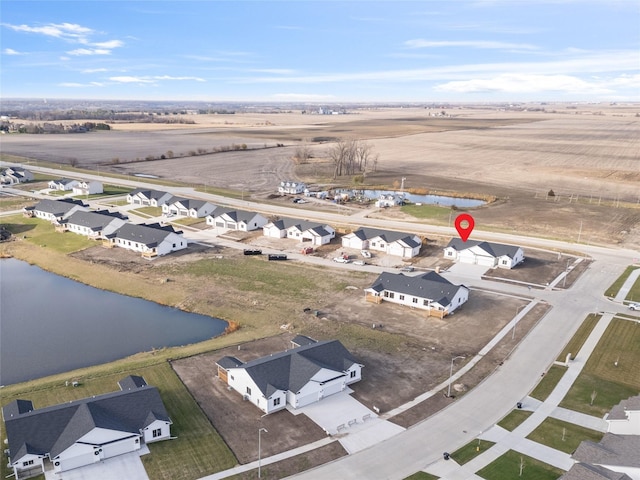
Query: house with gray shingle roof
point(488, 254)
point(584, 471)
point(147, 197)
point(301, 230)
point(63, 184)
point(404, 245)
point(296, 377)
point(624, 418)
point(88, 187)
point(618, 453)
point(82, 432)
point(429, 291)
point(188, 207)
point(15, 175)
point(94, 225)
point(151, 240)
point(55, 211)
point(231, 219)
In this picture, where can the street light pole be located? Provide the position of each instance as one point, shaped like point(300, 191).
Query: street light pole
point(260, 447)
point(451, 374)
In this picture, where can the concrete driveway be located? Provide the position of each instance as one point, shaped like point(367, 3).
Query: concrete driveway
point(127, 466)
point(466, 270)
point(355, 426)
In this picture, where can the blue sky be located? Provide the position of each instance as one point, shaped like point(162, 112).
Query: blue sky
point(322, 51)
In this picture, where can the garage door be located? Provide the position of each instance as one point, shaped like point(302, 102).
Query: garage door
point(79, 461)
point(118, 448)
point(307, 399)
point(331, 388)
point(485, 261)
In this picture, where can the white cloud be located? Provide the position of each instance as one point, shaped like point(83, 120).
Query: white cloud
point(89, 51)
point(482, 44)
point(58, 30)
point(111, 44)
point(11, 51)
point(94, 70)
point(526, 83)
point(80, 85)
point(152, 79)
point(129, 79)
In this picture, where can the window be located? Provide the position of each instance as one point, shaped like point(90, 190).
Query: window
point(391, 295)
point(415, 300)
point(401, 297)
point(27, 463)
point(425, 302)
point(276, 402)
point(353, 374)
point(248, 390)
point(157, 432)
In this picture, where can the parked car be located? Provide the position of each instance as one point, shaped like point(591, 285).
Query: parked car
point(408, 268)
point(277, 256)
point(341, 260)
point(359, 262)
point(252, 251)
point(306, 250)
point(366, 253)
point(634, 306)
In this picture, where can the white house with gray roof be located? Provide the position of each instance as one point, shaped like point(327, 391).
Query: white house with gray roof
point(55, 211)
point(63, 184)
point(301, 230)
point(404, 245)
point(15, 175)
point(88, 187)
point(429, 291)
point(487, 254)
point(151, 240)
point(297, 377)
point(148, 198)
point(616, 453)
point(188, 207)
point(624, 418)
point(82, 432)
point(94, 225)
point(230, 219)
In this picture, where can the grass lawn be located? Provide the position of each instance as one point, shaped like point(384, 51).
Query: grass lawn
point(108, 190)
point(41, 233)
point(513, 419)
point(548, 382)
point(507, 467)
point(611, 373)
point(148, 211)
point(562, 436)
point(471, 450)
point(198, 449)
point(576, 342)
point(421, 476)
point(434, 213)
point(613, 290)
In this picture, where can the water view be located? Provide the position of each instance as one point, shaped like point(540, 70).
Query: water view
point(424, 199)
point(50, 324)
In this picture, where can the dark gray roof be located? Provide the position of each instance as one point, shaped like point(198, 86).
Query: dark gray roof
point(132, 382)
point(620, 450)
point(302, 225)
point(64, 181)
point(150, 194)
point(300, 340)
point(17, 407)
point(292, 369)
point(149, 235)
point(93, 220)
point(57, 207)
point(389, 236)
point(187, 203)
point(583, 471)
point(235, 215)
point(229, 362)
point(430, 285)
point(52, 429)
point(493, 249)
point(618, 411)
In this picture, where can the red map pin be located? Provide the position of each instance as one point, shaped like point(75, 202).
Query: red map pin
point(464, 230)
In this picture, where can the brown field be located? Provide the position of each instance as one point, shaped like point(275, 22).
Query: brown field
point(588, 155)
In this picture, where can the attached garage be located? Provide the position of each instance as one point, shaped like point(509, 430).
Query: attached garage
point(330, 388)
point(120, 447)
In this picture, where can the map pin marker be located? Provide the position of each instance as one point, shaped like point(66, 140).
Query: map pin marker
point(464, 231)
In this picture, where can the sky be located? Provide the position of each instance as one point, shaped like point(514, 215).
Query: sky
point(322, 51)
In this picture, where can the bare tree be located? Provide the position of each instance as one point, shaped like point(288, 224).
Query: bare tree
point(302, 154)
point(351, 157)
point(594, 394)
point(521, 465)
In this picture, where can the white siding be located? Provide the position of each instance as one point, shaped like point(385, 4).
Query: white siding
point(161, 429)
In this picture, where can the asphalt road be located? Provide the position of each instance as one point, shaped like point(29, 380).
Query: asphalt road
point(481, 408)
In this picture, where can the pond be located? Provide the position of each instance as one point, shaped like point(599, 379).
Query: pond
point(51, 324)
point(415, 198)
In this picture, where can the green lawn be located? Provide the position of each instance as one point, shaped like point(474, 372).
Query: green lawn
point(548, 382)
point(507, 467)
point(108, 191)
point(611, 373)
point(41, 232)
point(576, 342)
point(613, 290)
point(434, 213)
point(562, 436)
point(421, 476)
point(198, 450)
point(148, 211)
point(513, 419)
point(471, 450)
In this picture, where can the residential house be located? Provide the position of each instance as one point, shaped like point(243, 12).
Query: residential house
point(150, 240)
point(148, 198)
point(291, 187)
point(86, 431)
point(429, 291)
point(404, 245)
point(624, 418)
point(301, 230)
point(94, 225)
point(63, 184)
point(55, 210)
point(188, 207)
point(15, 175)
point(231, 219)
point(90, 187)
point(297, 377)
point(389, 200)
point(488, 254)
point(584, 471)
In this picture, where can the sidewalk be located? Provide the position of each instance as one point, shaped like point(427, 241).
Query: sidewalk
point(516, 440)
point(624, 289)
